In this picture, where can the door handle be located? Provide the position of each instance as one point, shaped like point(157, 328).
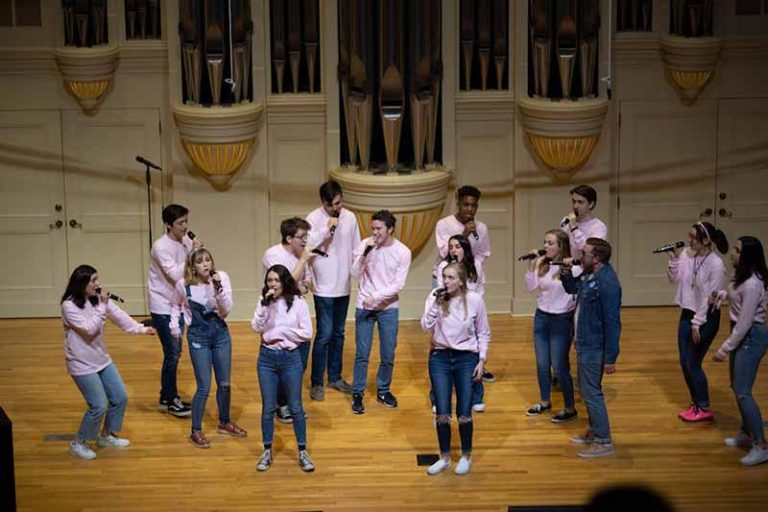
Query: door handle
point(56, 225)
point(706, 213)
point(74, 224)
point(725, 213)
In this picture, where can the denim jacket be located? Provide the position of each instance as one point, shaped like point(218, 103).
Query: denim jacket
point(598, 325)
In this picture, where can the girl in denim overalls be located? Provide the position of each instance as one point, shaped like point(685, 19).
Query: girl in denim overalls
point(204, 297)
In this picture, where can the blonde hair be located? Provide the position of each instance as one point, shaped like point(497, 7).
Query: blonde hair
point(196, 256)
point(563, 243)
point(461, 272)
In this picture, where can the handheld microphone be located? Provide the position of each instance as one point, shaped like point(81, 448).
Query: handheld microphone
point(111, 295)
point(573, 262)
point(319, 252)
point(216, 284)
point(474, 234)
point(191, 235)
point(335, 216)
point(532, 256)
point(146, 162)
point(669, 247)
point(368, 249)
point(713, 307)
point(268, 298)
point(438, 292)
point(565, 221)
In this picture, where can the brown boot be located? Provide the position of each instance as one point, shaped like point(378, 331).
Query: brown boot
point(231, 429)
point(198, 439)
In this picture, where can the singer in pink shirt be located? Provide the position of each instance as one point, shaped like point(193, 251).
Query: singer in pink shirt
point(204, 298)
point(166, 267)
point(552, 324)
point(334, 230)
point(458, 323)
point(282, 318)
point(380, 266)
point(698, 273)
point(580, 224)
point(747, 344)
point(85, 308)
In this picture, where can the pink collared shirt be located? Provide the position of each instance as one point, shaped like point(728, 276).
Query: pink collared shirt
point(279, 255)
point(747, 307)
point(551, 297)
point(461, 329)
point(331, 275)
point(449, 226)
point(593, 228)
point(166, 266)
point(281, 328)
point(84, 349)
point(204, 294)
point(477, 286)
point(696, 278)
point(381, 275)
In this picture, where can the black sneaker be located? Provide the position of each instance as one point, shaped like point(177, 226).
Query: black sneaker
point(163, 404)
point(357, 403)
point(564, 416)
point(282, 415)
point(178, 409)
point(488, 376)
point(387, 399)
point(537, 409)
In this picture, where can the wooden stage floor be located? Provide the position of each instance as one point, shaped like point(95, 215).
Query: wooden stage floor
point(369, 462)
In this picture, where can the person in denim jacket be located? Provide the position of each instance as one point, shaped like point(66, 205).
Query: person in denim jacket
point(598, 328)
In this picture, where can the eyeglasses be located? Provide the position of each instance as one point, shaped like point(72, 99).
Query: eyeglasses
point(585, 254)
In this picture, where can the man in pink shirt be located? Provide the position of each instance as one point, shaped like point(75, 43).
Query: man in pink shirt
point(293, 253)
point(380, 265)
point(335, 232)
point(464, 222)
point(166, 267)
point(580, 224)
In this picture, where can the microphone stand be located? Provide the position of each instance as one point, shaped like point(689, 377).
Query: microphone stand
point(148, 179)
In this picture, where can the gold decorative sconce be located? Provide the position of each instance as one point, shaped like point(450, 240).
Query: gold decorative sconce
point(87, 72)
point(218, 139)
point(564, 133)
point(690, 63)
point(415, 199)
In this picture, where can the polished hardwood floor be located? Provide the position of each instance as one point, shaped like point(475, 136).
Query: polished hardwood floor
point(369, 462)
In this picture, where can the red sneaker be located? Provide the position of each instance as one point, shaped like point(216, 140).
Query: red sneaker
point(687, 413)
point(696, 415)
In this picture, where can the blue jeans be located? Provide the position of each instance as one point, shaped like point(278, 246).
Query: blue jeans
point(171, 354)
point(448, 369)
point(105, 394)
point(281, 369)
point(591, 387)
point(210, 346)
point(552, 344)
point(744, 363)
point(328, 351)
point(692, 354)
point(364, 320)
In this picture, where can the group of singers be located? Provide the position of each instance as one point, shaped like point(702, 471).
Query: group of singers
point(578, 300)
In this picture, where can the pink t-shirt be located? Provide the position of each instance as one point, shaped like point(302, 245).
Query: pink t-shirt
point(696, 278)
point(165, 268)
point(551, 297)
point(592, 228)
point(279, 255)
point(280, 328)
point(461, 329)
point(747, 307)
point(381, 275)
point(331, 275)
point(449, 226)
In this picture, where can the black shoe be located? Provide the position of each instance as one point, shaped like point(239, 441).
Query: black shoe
point(282, 415)
point(178, 409)
point(537, 409)
point(163, 404)
point(387, 399)
point(563, 416)
point(488, 376)
point(357, 403)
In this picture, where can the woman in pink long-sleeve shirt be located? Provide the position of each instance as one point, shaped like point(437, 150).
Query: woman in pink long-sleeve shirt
point(282, 318)
point(552, 324)
point(204, 298)
point(698, 272)
point(458, 322)
point(747, 343)
point(85, 308)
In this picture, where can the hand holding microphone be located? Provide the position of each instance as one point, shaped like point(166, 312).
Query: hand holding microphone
point(441, 294)
point(195, 243)
point(333, 222)
point(567, 262)
point(216, 280)
point(670, 247)
point(105, 295)
point(532, 255)
point(268, 297)
point(370, 246)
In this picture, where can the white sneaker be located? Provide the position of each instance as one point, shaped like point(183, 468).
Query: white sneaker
point(111, 440)
point(305, 462)
point(462, 468)
point(438, 467)
point(741, 439)
point(755, 456)
point(265, 462)
point(479, 407)
point(81, 450)
point(434, 409)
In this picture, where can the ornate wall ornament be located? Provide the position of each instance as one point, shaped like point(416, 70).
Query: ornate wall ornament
point(218, 139)
point(415, 199)
point(87, 72)
point(563, 133)
point(690, 63)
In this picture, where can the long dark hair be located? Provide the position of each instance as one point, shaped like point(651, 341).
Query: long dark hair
point(469, 258)
point(75, 291)
point(706, 231)
point(290, 288)
point(751, 261)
